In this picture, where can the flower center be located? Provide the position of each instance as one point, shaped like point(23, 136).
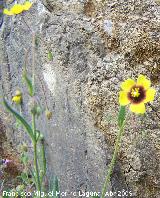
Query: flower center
point(135, 92)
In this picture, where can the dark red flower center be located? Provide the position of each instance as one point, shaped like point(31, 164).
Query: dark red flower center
point(137, 94)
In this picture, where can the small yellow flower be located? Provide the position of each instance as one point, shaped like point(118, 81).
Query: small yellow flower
point(18, 8)
point(17, 98)
point(136, 94)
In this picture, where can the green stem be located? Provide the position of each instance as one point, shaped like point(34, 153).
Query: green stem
point(38, 184)
point(44, 158)
point(112, 164)
point(44, 168)
point(33, 62)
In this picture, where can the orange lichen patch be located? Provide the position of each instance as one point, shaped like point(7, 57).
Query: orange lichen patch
point(13, 167)
point(112, 43)
point(142, 46)
point(2, 137)
point(89, 8)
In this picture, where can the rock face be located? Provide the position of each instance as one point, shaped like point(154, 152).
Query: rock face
point(95, 47)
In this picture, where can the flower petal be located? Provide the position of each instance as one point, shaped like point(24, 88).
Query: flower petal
point(123, 98)
point(144, 82)
point(7, 12)
point(27, 5)
point(127, 84)
point(17, 99)
point(17, 9)
point(138, 108)
point(150, 94)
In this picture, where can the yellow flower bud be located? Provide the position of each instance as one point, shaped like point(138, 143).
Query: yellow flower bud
point(48, 114)
point(17, 98)
point(18, 93)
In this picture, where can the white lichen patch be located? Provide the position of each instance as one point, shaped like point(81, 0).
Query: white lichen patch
point(49, 77)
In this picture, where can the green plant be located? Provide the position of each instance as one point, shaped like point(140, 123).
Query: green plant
point(36, 139)
point(135, 94)
point(38, 171)
point(121, 124)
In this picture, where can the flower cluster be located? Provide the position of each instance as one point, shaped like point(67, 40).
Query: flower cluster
point(137, 94)
point(18, 8)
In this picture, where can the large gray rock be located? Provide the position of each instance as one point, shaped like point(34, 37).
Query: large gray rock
point(94, 49)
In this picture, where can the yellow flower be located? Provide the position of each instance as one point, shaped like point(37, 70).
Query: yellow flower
point(136, 94)
point(17, 98)
point(18, 8)
point(27, 5)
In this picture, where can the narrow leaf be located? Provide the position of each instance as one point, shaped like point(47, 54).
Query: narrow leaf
point(121, 116)
point(56, 187)
point(20, 118)
point(29, 84)
point(24, 177)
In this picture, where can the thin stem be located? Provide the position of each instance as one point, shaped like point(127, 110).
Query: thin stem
point(112, 164)
point(43, 158)
point(43, 173)
point(38, 184)
point(25, 60)
point(33, 61)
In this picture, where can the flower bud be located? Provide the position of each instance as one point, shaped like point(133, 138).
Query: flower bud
point(18, 93)
point(20, 188)
point(48, 114)
point(34, 106)
point(24, 147)
point(41, 137)
point(17, 98)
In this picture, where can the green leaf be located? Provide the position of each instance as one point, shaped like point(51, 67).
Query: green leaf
point(56, 187)
point(24, 178)
point(24, 159)
point(50, 56)
point(95, 196)
point(20, 118)
point(28, 83)
point(121, 116)
point(37, 135)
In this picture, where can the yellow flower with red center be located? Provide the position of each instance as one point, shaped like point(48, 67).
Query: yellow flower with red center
point(18, 8)
point(136, 94)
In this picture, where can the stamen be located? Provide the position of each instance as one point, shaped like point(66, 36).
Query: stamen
point(135, 92)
